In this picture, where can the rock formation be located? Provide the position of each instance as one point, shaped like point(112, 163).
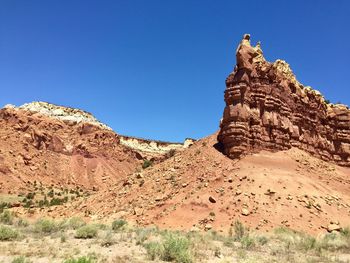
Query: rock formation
point(268, 109)
point(153, 149)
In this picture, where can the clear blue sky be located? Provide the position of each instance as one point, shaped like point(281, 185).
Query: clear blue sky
point(157, 69)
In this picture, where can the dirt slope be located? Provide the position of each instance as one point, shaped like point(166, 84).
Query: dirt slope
point(49, 150)
point(288, 188)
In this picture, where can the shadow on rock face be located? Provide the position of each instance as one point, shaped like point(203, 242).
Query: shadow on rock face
point(219, 147)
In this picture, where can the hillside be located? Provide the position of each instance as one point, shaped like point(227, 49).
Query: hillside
point(202, 188)
point(52, 145)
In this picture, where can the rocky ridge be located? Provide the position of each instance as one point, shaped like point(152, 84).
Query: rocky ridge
point(66, 114)
point(153, 148)
point(267, 108)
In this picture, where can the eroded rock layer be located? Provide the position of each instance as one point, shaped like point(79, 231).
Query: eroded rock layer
point(54, 145)
point(267, 108)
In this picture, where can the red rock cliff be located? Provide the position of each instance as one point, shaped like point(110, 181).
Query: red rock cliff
point(267, 108)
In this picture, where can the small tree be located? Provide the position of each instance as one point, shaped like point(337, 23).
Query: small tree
point(146, 164)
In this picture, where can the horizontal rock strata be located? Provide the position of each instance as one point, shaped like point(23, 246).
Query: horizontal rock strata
point(268, 109)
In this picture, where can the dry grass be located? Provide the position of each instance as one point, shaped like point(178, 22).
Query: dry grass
point(73, 240)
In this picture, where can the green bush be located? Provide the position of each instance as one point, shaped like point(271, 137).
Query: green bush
point(57, 201)
point(51, 193)
point(307, 243)
point(80, 260)
point(88, 231)
point(7, 233)
point(30, 195)
point(43, 203)
point(176, 248)
point(46, 226)
point(20, 260)
point(6, 217)
point(108, 240)
point(154, 250)
point(173, 247)
point(118, 224)
point(146, 163)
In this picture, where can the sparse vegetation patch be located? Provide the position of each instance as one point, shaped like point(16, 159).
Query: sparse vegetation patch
point(87, 231)
point(8, 233)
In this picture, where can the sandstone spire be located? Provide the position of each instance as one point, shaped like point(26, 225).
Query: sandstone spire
point(267, 108)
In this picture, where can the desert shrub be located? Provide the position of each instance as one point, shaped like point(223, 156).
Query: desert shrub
point(7, 233)
point(20, 260)
point(51, 193)
point(80, 260)
point(306, 243)
point(228, 242)
point(333, 242)
point(146, 163)
point(247, 242)
point(108, 240)
point(46, 226)
point(63, 238)
point(6, 217)
point(27, 203)
point(173, 248)
point(176, 248)
point(56, 201)
point(239, 230)
point(154, 250)
point(297, 240)
point(118, 224)
point(76, 222)
point(43, 203)
point(30, 195)
point(87, 231)
point(262, 240)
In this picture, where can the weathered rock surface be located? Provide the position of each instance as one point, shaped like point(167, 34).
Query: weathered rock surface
point(267, 108)
point(67, 146)
point(61, 146)
point(153, 149)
